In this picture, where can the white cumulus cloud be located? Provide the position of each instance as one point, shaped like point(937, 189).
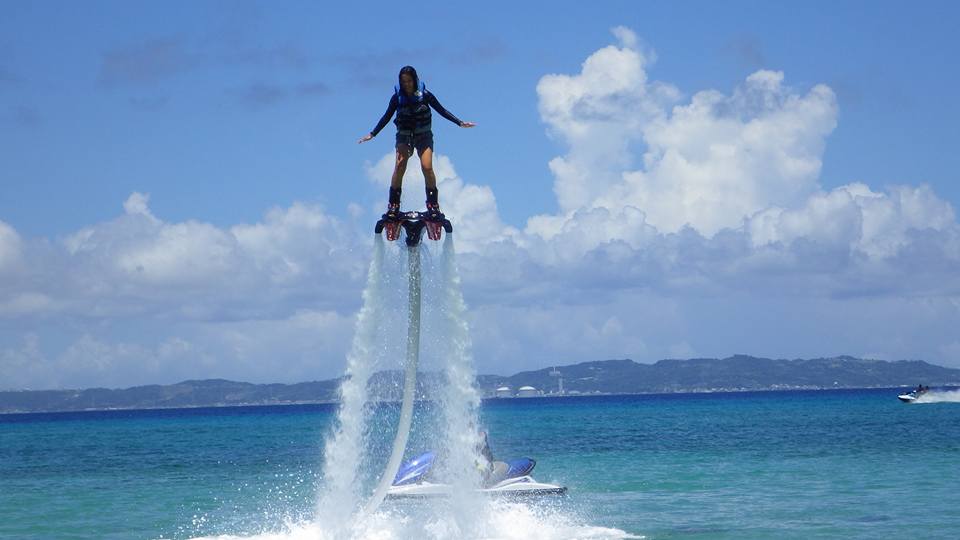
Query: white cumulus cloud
point(137, 299)
point(599, 113)
point(853, 216)
point(706, 164)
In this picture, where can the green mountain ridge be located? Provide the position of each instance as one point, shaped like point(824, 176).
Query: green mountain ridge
point(739, 372)
point(735, 373)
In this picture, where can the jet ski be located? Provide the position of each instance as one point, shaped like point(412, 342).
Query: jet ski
point(413, 224)
point(910, 397)
point(508, 478)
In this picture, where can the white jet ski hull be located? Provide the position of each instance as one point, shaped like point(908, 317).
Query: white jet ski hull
point(907, 398)
point(523, 486)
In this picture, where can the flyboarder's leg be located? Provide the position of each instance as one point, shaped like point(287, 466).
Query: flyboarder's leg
point(426, 165)
point(400, 166)
point(424, 144)
point(434, 227)
point(396, 182)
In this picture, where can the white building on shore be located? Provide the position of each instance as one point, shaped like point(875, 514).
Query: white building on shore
point(527, 391)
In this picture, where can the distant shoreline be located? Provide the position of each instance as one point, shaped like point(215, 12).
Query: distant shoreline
point(173, 408)
point(947, 387)
point(738, 373)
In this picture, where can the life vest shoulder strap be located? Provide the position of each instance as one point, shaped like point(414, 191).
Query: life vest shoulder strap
point(403, 99)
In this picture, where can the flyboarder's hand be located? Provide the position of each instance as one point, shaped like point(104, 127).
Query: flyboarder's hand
point(467, 125)
point(365, 138)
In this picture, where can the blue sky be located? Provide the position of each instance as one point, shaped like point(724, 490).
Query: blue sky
point(207, 121)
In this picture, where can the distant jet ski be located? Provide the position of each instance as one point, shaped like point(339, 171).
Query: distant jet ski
point(511, 478)
point(414, 223)
point(910, 397)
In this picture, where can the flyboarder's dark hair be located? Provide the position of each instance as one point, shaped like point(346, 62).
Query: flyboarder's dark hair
point(408, 70)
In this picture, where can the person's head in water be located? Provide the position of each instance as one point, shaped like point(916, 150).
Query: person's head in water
point(409, 81)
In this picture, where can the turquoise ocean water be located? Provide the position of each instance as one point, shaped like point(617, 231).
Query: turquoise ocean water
point(817, 464)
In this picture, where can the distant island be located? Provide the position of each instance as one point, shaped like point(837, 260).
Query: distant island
point(736, 373)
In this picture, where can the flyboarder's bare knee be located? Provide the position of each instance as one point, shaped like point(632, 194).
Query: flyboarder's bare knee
point(426, 165)
point(426, 159)
point(401, 163)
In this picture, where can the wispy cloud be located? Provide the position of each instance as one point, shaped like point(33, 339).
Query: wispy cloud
point(149, 103)
point(7, 77)
point(21, 116)
point(148, 62)
point(312, 89)
point(748, 52)
point(479, 52)
point(158, 59)
point(152, 61)
point(260, 95)
point(371, 69)
point(280, 57)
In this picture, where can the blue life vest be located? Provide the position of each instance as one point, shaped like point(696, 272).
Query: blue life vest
point(413, 112)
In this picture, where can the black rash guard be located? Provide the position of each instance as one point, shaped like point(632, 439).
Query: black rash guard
point(428, 98)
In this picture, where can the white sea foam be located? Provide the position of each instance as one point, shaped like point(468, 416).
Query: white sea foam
point(501, 521)
point(939, 396)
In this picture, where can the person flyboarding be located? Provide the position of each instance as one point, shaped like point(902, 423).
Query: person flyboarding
point(411, 101)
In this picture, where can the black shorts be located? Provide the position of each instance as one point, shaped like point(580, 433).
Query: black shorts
point(407, 141)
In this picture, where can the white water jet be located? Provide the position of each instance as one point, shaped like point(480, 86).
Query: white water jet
point(460, 400)
point(343, 450)
point(409, 382)
point(360, 430)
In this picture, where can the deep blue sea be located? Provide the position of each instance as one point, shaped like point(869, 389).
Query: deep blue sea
point(799, 464)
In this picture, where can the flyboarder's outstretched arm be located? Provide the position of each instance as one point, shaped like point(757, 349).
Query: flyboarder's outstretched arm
point(432, 101)
point(391, 108)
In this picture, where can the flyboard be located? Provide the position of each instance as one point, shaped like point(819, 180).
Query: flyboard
point(413, 225)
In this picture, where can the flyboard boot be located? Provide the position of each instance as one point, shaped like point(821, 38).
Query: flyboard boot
point(433, 217)
point(413, 222)
point(390, 221)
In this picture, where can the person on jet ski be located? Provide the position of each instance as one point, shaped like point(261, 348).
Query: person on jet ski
point(491, 470)
point(483, 448)
point(411, 101)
